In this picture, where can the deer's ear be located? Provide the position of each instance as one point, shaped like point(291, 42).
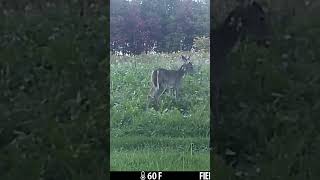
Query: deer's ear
point(183, 58)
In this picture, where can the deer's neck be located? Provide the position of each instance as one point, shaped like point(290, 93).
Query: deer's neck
point(181, 71)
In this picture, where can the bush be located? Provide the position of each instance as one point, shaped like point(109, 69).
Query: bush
point(201, 44)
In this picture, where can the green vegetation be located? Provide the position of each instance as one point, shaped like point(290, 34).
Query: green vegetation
point(176, 136)
point(159, 153)
point(270, 104)
point(53, 104)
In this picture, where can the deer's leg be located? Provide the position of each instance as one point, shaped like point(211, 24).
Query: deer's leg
point(175, 93)
point(177, 89)
point(164, 89)
point(151, 94)
point(156, 94)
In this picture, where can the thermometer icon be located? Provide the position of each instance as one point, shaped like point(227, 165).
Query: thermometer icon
point(143, 176)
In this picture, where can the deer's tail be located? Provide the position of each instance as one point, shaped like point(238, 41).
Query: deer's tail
point(154, 82)
point(155, 78)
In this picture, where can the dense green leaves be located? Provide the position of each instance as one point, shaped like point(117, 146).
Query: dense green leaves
point(53, 98)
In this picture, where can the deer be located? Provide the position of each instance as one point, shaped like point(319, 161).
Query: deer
point(248, 19)
point(163, 79)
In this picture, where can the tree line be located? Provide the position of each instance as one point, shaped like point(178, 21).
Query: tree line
point(141, 26)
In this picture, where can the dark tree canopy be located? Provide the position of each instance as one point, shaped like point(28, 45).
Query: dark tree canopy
point(161, 25)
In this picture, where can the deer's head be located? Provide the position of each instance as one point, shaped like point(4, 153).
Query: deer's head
point(187, 66)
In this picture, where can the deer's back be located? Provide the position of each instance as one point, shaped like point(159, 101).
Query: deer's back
point(168, 77)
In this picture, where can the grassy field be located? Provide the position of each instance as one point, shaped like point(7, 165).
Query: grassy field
point(174, 137)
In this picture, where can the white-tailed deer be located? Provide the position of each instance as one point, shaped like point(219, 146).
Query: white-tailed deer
point(163, 79)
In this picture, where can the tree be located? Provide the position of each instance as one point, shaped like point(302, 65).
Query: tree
point(163, 25)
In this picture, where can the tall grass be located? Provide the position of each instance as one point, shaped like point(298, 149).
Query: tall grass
point(173, 137)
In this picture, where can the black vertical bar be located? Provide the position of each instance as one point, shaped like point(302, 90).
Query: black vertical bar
point(107, 44)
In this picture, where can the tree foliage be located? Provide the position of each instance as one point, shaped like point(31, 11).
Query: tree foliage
point(161, 25)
